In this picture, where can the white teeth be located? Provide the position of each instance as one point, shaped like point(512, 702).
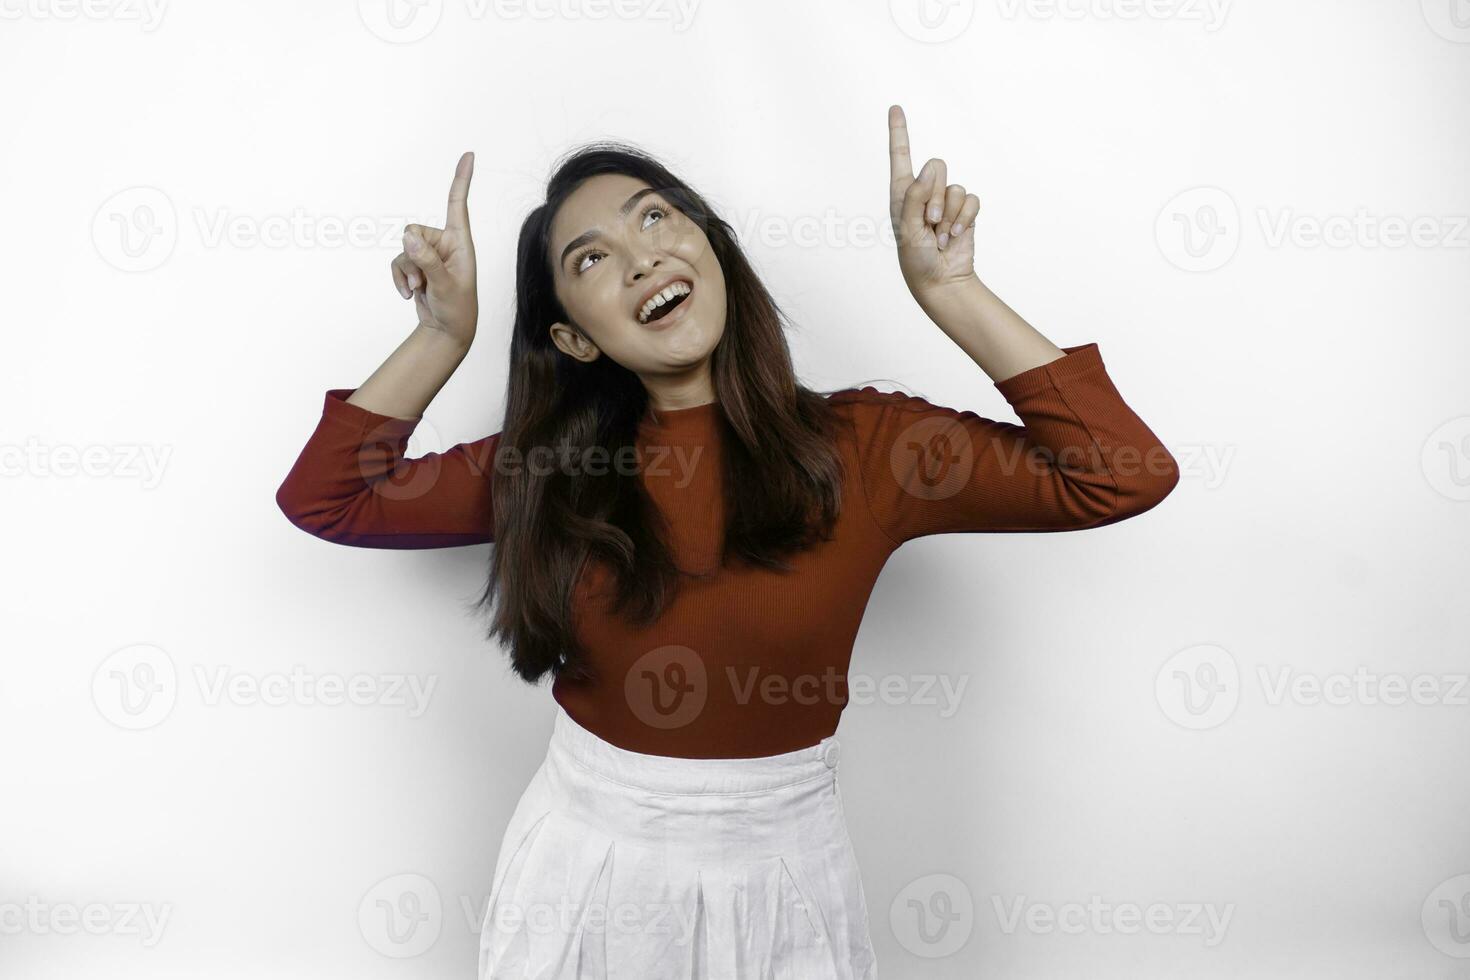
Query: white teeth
point(661, 297)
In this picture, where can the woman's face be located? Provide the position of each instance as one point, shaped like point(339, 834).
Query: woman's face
point(614, 243)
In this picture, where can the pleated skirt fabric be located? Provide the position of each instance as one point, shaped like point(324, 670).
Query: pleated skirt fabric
point(618, 865)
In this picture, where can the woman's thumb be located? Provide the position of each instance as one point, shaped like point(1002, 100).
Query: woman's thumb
point(424, 256)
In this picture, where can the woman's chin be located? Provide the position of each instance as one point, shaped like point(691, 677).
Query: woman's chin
point(686, 342)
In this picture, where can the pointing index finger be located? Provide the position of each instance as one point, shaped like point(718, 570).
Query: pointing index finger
point(458, 215)
point(900, 166)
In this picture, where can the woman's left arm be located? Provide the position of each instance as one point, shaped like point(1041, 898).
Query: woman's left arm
point(934, 224)
point(1080, 458)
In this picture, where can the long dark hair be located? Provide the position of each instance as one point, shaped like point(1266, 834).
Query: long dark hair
point(782, 473)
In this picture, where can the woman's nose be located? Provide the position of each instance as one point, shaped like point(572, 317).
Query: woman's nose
point(643, 267)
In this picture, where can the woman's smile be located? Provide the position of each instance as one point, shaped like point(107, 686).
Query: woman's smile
point(665, 305)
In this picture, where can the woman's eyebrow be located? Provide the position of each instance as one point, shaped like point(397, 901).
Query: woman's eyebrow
point(589, 236)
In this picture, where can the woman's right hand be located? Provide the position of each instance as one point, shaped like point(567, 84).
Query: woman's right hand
point(437, 266)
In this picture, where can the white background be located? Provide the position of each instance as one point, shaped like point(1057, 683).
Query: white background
point(1134, 169)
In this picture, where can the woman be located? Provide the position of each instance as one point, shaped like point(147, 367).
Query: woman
point(686, 537)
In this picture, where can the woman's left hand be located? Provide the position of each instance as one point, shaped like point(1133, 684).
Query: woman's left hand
point(926, 212)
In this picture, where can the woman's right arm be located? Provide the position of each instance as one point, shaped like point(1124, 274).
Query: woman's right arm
point(351, 484)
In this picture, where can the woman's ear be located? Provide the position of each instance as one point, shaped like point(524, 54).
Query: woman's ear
point(572, 342)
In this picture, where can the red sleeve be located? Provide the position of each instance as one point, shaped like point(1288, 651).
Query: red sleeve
point(1080, 457)
point(351, 484)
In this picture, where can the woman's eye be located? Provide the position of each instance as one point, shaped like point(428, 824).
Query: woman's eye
point(581, 264)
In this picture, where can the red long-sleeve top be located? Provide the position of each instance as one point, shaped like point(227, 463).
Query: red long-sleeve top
point(750, 661)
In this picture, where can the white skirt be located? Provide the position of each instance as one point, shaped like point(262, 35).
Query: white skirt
point(618, 865)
